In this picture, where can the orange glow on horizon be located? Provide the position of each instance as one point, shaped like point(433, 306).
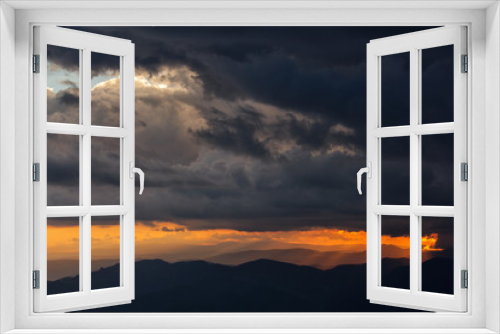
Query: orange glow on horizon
point(158, 238)
point(63, 242)
point(429, 243)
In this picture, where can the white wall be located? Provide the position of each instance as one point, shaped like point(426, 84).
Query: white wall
point(492, 165)
point(7, 160)
point(221, 17)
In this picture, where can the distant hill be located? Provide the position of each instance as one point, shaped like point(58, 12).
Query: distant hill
point(323, 257)
point(299, 256)
point(234, 254)
point(103, 278)
point(257, 286)
point(63, 268)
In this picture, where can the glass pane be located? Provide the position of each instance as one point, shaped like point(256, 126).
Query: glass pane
point(105, 171)
point(395, 89)
point(105, 252)
point(437, 254)
point(437, 84)
point(105, 97)
point(63, 255)
point(437, 170)
point(395, 251)
point(395, 171)
point(63, 170)
point(63, 85)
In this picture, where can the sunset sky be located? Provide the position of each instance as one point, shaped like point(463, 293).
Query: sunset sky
point(157, 237)
point(318, 247)
point(250, 138)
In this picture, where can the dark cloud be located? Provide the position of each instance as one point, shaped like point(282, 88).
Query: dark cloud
point(260, 195)
point(395, 89)
point(66, 58)
point(235, 134)
point(395, 175)
point(63, 106)
point(313, 46)
point(105, 171)
point(252, 128)
point(395, 226)
point(437, 85)
point(103, 64)
point(69, 98)
point(63, 170)
point(309, 69)
point(66, 221)
point(75, 221)
point(318, 133)
point(105, 220)
point(438, 170)
point(173, 229)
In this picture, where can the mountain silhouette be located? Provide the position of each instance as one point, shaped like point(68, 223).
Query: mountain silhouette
point(230, 253)
point(256, 286)
point(298, 256)
point(64, 268)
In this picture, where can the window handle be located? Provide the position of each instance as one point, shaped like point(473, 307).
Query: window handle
point(368, 171)
point(139, 171)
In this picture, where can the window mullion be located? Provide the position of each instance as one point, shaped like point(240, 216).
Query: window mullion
point(419, 165)
point(414, 171)
point(81, 195)
point(85, 162)
point(122, 175)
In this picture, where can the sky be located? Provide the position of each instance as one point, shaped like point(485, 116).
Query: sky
point(250, 138)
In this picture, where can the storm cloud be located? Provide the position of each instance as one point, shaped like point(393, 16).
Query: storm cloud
point(248, 128)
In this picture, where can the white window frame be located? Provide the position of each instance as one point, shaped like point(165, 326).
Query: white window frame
point(482, 19)
point(85, 44)
point(414, 43)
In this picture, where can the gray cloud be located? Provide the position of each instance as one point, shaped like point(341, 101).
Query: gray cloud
point(245, 128)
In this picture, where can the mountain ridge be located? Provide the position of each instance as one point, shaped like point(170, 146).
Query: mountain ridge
point(257, 286)
point(227, 255)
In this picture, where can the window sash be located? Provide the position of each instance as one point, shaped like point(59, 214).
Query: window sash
point(86, 297)
point(413, 43)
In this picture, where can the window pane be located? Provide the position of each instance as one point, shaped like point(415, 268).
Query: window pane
point(437, 254)
point(395, 251)
point(437, 84)
point(395, 89)
point(437, 169)
point(105, 89)
point(105, 171)
point(63, 255)
point(63, 85)
point(63, 170)
point(395, 171)
point(105, 252)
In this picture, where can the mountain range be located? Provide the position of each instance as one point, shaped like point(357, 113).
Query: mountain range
point(257, 286)
point(234, 254)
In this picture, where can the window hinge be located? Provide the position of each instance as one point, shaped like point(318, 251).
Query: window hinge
point(465, 279)
point(36, 172)
point(36, 63)
point(36, 279)
point(465, 64)
point(464, 171)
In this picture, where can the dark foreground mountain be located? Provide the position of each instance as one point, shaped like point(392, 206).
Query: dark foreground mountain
point(258, 286)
